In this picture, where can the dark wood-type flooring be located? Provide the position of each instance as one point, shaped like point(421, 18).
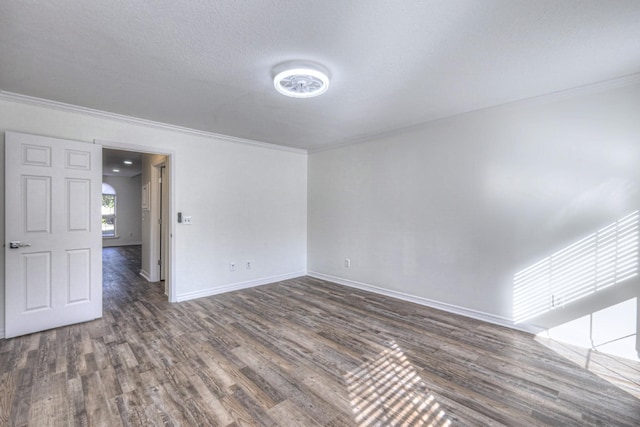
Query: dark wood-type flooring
point(302, 352)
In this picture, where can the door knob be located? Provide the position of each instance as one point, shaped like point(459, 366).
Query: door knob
point(17, 244)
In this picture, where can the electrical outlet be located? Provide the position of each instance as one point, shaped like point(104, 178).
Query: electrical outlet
point(186, 220)
point(247, 265)
point(347, 263)
point(232, 266)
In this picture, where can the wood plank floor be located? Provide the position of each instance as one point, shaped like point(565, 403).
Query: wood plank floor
point(302, 352)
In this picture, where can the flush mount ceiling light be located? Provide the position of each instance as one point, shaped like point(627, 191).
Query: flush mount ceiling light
point(301, 80)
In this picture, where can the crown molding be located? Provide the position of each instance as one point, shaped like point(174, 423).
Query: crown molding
point(583, 90)
point(46, 103)
point(550, 97)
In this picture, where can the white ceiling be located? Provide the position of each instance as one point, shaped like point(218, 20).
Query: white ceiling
point(114, 159)
point(207, 64)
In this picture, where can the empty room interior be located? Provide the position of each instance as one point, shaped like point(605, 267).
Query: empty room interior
point(332, 213)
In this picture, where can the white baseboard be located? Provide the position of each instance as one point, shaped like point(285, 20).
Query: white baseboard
point(115, 244)
point(237, 286)
point(450, 308)
point(146, 275)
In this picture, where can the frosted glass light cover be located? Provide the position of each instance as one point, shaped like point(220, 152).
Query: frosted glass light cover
point(301, 83)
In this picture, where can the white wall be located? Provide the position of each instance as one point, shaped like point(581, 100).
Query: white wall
point(128, 196)
point(247, 202)
point(449, 211)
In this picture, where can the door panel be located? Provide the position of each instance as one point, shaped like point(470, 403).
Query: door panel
point(35, 155)
point(36, 205)
point(53, 276)
point(78, 199)
point(79, 267)
point(77, 160)
point(37, 280)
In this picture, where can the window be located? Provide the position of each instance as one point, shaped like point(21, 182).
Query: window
point(108, 211)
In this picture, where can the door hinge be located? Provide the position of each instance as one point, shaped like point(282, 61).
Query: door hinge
point(159, 262)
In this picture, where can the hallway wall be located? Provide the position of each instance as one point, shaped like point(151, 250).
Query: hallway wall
point(128, 219)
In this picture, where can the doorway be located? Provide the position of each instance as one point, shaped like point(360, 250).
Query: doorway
point(154, 209)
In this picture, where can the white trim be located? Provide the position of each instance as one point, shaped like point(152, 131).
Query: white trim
point(558, 95)
point(137, 243)
point(136, 148)
point(237, 286)
point(450, 308)
point(40, 102)
point(544, 98)
point(145, 274)
point(170, 162)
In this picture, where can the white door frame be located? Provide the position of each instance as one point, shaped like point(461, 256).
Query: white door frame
point(163, 231)
point(170, 163)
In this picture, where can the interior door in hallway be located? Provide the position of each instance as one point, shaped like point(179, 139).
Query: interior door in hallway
point(53, 257)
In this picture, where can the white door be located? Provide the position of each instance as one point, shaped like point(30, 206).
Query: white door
point(53, 253)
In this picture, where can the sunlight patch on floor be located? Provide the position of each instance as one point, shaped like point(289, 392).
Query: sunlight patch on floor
point(389, 392)
point(622, 373)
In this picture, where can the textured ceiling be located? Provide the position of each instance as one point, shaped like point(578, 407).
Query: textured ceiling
point(207, 64)
point(114, 159)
